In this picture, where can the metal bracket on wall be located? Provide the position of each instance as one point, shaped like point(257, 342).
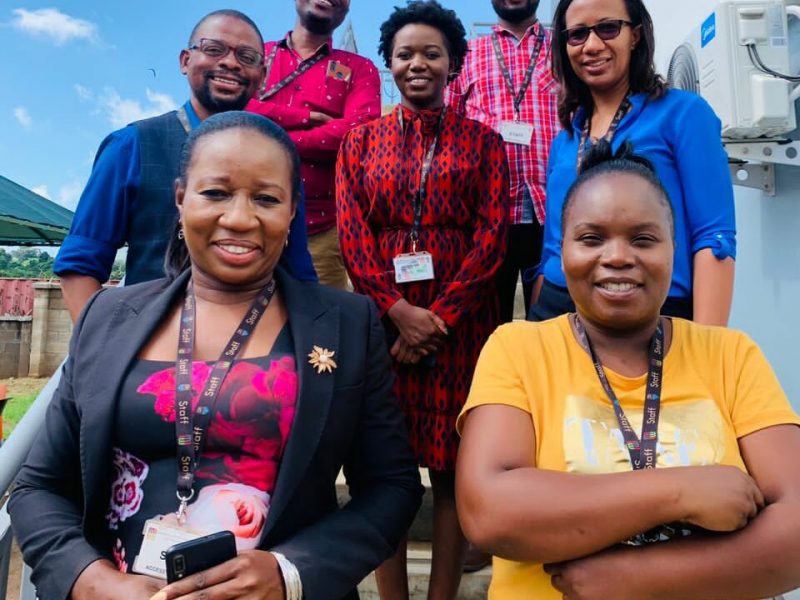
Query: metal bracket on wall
point(783, 152)
point(753, 175)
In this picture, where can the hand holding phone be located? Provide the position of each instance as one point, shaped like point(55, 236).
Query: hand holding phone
point(251, 574)
point(188, 558)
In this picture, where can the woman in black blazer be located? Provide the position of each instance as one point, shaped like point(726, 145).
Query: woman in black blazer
point(247, 435)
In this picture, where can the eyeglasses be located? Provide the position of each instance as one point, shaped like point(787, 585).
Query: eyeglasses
point(605, 30)
point(247, 56)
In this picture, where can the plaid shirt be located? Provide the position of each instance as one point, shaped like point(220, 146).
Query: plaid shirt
point(480, 92)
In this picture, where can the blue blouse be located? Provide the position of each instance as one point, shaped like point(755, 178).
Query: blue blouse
point(680, 134)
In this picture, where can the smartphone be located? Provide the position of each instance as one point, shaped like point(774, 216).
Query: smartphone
point(188, 558)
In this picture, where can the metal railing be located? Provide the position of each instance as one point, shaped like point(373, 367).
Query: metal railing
point(12, 455)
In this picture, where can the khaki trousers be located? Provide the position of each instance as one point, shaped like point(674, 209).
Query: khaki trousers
point(327, 258)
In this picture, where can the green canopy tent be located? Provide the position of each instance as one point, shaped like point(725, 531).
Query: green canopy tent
point(28, 219)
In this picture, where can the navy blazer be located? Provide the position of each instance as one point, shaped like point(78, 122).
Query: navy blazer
point(345, 418)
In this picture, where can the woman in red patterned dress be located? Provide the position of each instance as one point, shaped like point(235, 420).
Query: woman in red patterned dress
point(438, 323)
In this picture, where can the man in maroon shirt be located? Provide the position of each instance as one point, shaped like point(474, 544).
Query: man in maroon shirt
point(318, 93)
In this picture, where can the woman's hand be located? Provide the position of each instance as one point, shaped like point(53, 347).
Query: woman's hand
point(254, 575)
point(422, 329)
point(403, 353)
point(597, 577)
point(717, 498)
point(319, 118)
point(101, 580)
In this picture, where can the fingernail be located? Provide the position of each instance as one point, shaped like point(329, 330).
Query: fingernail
point(162, 595)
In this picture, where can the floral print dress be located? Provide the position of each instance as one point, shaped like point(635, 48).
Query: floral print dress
point(238, 468)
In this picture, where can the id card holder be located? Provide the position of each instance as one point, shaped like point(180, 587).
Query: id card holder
point(516, 132)
point(416, 266)
point(158, 537)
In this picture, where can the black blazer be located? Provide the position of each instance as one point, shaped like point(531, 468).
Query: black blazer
point(345, 418)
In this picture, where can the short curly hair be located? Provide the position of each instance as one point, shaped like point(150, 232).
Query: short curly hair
point(433, 14)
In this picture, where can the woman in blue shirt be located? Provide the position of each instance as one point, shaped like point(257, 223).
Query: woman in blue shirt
point(603, 59)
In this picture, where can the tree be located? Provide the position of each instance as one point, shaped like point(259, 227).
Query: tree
point(118, 271)
point(26, 263)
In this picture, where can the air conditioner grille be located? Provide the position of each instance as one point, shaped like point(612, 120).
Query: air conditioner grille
point(683, 73)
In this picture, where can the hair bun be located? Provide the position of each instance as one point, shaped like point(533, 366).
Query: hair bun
point(601, 152)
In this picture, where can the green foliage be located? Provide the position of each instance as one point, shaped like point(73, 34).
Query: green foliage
point(16, 409)
point(26, 263)
point(32, 263)
point(118, 271)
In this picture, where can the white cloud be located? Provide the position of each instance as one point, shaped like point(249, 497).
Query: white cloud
point(121, 111)
point(53, 24)
point(83, 93)
point(41, 190)
point(69, 194)
point(23, 116)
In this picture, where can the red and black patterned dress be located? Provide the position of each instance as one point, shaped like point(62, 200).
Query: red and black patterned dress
point(463, 227)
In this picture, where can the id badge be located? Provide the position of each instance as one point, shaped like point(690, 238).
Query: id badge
point(516, 132)
point(158, 536)
point(416, 266)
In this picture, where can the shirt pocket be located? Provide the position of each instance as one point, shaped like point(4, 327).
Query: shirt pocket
point(333, 96)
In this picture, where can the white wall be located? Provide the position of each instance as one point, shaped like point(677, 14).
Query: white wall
point(767, 292)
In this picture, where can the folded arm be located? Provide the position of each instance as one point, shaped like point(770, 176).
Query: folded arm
point(758, 561)
point(514, 510)
point(363, 103)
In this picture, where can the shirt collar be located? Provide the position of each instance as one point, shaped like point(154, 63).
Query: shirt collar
point(637, 105)
point(286, 42)
point(533, 29)
point(194, 120)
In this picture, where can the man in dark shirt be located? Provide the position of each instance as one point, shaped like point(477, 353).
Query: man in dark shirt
point(129, 197)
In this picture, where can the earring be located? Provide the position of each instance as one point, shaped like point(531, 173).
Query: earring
point(286, 241)
point(180, 233)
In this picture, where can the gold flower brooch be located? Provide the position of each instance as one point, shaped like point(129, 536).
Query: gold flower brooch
point(322, 360)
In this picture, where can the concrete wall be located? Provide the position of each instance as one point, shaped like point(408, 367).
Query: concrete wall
point(767, 290)
point(15, 346)
point(51, 330)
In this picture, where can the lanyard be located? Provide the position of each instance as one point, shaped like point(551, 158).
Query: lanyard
point(623, 109)
point(264, 93)
point(518, 96)
point(185, 122)
point(643, 454)
point(427, 162)
point(190, 430)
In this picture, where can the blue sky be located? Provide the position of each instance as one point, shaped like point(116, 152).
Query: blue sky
point(74, 70)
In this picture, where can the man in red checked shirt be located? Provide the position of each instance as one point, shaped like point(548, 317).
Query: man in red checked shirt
point(317, 94)
point(506, 84)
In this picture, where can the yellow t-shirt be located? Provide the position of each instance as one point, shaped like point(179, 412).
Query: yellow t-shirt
point(717, 387)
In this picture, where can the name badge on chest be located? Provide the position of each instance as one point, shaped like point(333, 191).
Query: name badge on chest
point(516, 132)
point(158, 537)
point(416, 266)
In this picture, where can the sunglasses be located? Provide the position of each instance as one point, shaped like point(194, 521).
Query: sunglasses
point(605, 30)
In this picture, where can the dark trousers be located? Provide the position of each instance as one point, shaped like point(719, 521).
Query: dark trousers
point(554, 300)
point(523, 253)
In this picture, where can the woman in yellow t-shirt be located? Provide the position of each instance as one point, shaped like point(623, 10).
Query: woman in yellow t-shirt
point(567, 418)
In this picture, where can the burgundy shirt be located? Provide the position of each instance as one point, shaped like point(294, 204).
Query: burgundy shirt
point(343, 85)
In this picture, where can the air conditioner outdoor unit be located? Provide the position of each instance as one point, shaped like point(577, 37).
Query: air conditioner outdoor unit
point(738, 60)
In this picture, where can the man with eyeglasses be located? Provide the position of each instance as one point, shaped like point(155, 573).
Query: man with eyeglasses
point(318, 93)
point(129, 197)
point(506, 83)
